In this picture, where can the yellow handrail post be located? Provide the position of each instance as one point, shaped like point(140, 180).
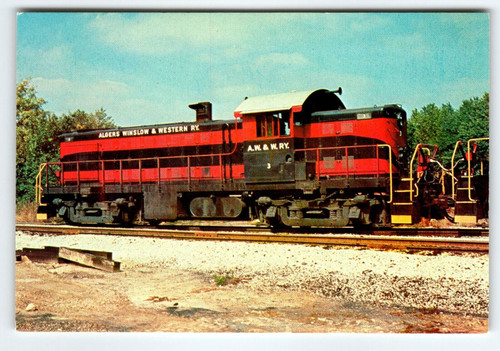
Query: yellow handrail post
point(411, 170)
point(469, 175)
point(38, 184)
point(453, 169)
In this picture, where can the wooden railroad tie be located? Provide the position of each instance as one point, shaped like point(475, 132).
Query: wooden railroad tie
point(51, 254)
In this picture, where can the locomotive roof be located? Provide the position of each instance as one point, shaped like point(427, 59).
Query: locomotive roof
point(276, 102)
point(89, 132)
point(358, 110)
point(391, 111)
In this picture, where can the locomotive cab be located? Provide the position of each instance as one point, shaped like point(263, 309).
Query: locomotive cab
point(268, 151)
point(273, 128)
point(339, 166)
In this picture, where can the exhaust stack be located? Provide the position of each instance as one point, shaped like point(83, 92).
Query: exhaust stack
point(203, 111)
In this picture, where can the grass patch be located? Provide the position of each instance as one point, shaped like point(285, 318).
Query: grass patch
point(26, 212)
point(226, 279)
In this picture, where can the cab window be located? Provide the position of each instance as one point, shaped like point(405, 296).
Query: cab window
point(274, 124)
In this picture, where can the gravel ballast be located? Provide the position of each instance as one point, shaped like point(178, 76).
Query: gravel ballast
point(446, 282)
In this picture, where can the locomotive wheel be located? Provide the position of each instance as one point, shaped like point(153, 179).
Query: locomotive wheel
point(216, 207)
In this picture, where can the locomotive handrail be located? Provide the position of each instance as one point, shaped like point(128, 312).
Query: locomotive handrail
point(417, 149)
point(140, 160)
point(458, 143)
point(38, 184)
point(418, 180)
point(469, 168)
point(411, 172)
point(346, 148)
point(468, 158)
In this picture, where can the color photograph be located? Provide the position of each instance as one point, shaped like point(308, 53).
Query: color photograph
point(254, 172)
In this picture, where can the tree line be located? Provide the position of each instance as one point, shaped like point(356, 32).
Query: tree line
point(444, 126)
point(38, 131)
point(37, 135)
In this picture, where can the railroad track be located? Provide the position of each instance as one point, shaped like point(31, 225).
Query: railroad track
point(387, 242)
point(396, 231)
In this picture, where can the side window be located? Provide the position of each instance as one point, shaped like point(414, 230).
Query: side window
point(284, 118)
point(273, 124)
point(261, 126)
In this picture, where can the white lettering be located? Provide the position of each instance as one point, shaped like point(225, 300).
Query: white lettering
point(147, 131)
point(267, 147)
point(113, 134)
point(136, 132)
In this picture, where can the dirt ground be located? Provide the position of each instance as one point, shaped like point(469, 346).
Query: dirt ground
point(68, 297)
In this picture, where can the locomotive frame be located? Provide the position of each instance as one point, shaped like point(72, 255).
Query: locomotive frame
point(294, 159)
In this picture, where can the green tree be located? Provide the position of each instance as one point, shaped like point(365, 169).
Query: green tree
point(81, 120)
point(37, 135)
point(473, 121)
point(427, 126)
point(35, 141)
point(445, 126)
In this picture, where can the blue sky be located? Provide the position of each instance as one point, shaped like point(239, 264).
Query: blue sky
point(145, 68)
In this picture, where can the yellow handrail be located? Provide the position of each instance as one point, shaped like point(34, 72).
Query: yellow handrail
point(453, 170)
point(38, 184)
point(411, 171)
point(417, 148)
point(469, 175)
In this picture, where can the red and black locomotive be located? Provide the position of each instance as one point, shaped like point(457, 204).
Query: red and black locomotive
point(294, 159)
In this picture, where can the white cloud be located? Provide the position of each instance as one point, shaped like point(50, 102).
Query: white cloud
point(407, 46)
point(462, 89)
point(350, 24)
point(51, 87)
point(56, 54)
point(110, 88)
point(160, 34)
point(364, 22)
point(164, 33)
point(235, 92)
point(80, 94)
point(276, 59)
point(134, 111)
point(463, 19)
point(117, 98)
point(470, 26)
point(58, 58)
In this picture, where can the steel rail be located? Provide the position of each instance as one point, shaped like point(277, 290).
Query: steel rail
point(394, 231)
point(243, 226)
point(479, 245)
